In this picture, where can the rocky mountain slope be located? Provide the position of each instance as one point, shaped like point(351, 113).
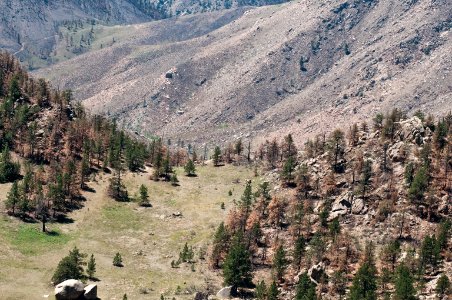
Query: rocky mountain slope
point(299, 67)
point(32, 30)
point(319, 209)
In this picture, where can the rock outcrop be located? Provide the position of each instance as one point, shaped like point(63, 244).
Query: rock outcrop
point(69, 290)
point(225, 293)
point(91, 292)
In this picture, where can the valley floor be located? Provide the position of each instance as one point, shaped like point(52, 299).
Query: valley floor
point(147, 238)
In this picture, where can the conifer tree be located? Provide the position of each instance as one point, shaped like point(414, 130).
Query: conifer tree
point(190, 168)
point(335, 228)
point(443, 286)
point(419, 185)
point(273, 292)
point(364, 284)
point(444, 233)
point(219, 244)
point(24, 204)
point(144, 197)
point(70, 267)
point(430, 253)
point(13, 197)
point(336, 146)
point(41, 207)
point(365, 177)
point(237, 265)
point(404, 289)
point(85, 170)
point(299, 251)
point(391, 253)
point(264, 194)
point(174, 180)
point(280, 262)
point(261, 291)
point(91, 267)
point(245, 202)
point(216, 156)
point(305, 288)
point(288, 148)
point(288, 169)
point(117, 260)
point(9, 170)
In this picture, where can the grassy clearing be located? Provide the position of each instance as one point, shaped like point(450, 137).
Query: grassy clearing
point(147, 238)
point(29, 240)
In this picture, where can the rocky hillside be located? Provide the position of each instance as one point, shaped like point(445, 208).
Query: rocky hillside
point(343, 217)
point(32, 30)
point(299, 67)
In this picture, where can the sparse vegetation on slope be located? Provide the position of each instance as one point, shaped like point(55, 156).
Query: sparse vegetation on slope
point(348, 220)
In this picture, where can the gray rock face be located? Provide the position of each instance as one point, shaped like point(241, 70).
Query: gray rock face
point(91, 292)
point(396, 152)
point(358, 207)
point(411, 129)
point(69, 290)
point(225, 293)
point(341, 206)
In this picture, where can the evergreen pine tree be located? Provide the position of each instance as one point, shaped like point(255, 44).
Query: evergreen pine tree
point(216, 156)
point(9, 171)
point(364, 284)
point(288, 169)
point(261, 291)
point(299, 251)
point(219, 244)
point(237, 265)
point(419, 185)
point(70, 267)
point(144, 197)
point(280, 262)
point(335, 228)
point(404, 289)
point(443, 285)
point(13, 197)
point(190, 168)
point(174, 180)
point(91, 267)
point(305, 288)
point(117, 260)
point(273, 292)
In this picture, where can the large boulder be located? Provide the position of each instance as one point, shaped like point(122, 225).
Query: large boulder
point(358, 207)
point(341, 205)
point(69, 290)
point(91, 292)
point(225, 293)
point(201, 296)
point(397, 152)
point(316, 272)
point(411, 129)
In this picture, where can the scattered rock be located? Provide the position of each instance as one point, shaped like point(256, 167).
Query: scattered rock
point(177, 214)
point(358, 207)
point(411, 129)
point(341, 205)
point(91, 292)
point(396, 152)
point(200, 296)
point(316, 272)
point(225, 293)
point(69, 290)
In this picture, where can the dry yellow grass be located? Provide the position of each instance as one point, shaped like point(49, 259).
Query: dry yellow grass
point(148, 238)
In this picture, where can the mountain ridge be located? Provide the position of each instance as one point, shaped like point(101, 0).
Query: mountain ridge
point(293, 67)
